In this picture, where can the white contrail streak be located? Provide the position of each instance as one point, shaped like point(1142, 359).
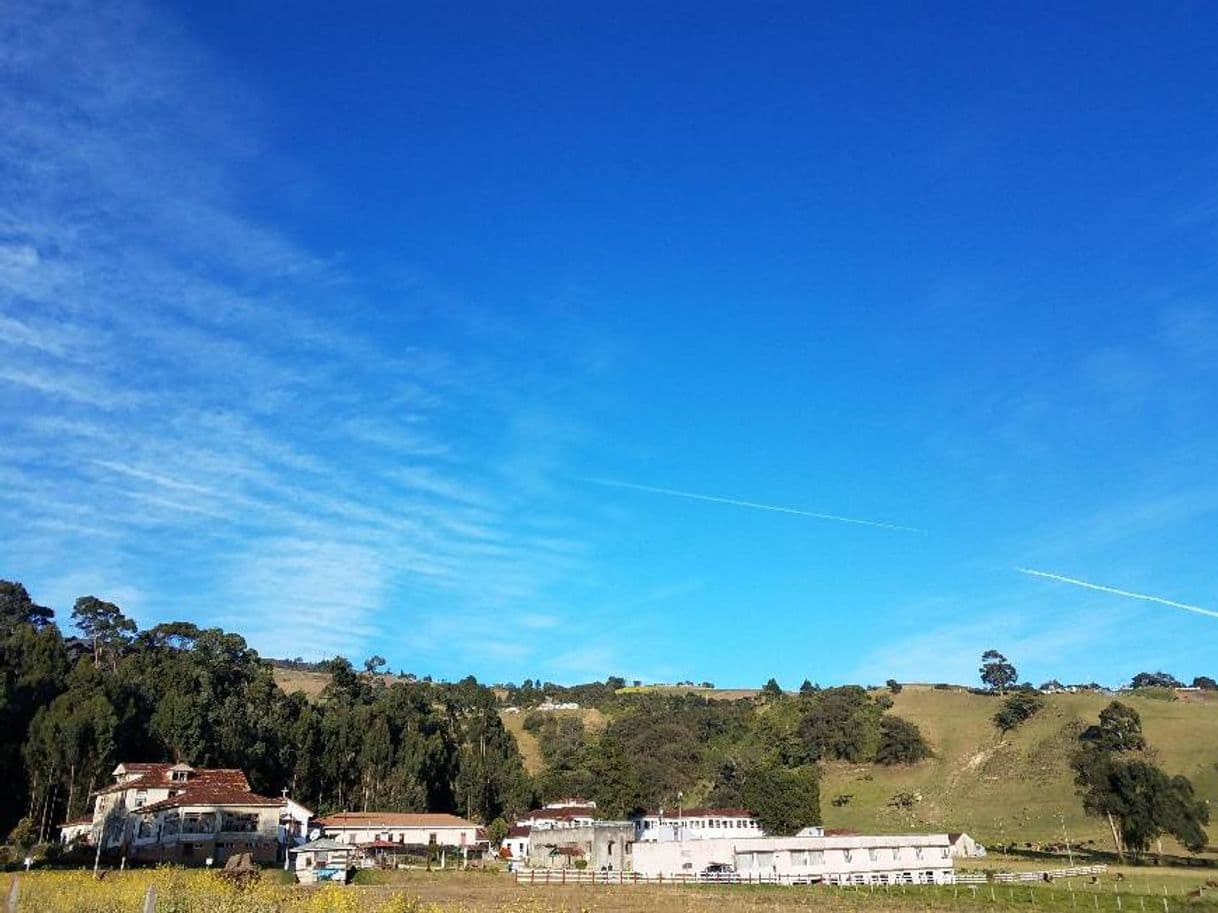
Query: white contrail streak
point(1107, 589)
point(611, 483)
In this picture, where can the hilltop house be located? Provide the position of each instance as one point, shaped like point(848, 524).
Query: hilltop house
point(161, 812)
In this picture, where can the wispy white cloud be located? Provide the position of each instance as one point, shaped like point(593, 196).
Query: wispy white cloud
point(753, 505)
point(1072, 581)
point(186, 404)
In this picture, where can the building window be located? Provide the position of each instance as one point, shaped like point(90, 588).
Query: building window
point(816, 857)
point(141, 797)
point(896, 854)
point(918, 852)
point(873, 855)
point(431, 840)
point(239, 822)
point(198, 823)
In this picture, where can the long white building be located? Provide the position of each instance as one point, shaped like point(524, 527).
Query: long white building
point(699, 824)
point(889, 859)
point(400, 828)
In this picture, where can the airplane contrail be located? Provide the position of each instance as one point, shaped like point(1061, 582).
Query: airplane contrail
point(1108, 589)
point(612, 483)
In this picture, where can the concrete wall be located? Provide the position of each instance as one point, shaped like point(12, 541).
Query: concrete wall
point(265, 851)
point(604, 846)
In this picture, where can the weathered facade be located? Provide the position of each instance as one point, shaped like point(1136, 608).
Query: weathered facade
point(159, 812)
point(603, 846)
point(403, 828)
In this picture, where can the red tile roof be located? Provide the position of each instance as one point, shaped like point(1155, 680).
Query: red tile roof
point(204, 786)
point(519, 830)
point(156, 776)
point(560, 814)
point(211, 794)
point(393, 819)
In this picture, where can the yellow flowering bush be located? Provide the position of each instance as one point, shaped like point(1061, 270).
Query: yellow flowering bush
point(195, 891)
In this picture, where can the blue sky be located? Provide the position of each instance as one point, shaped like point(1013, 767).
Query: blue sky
point(319, 325)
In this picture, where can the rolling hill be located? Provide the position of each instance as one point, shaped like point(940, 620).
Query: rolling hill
point(1015, 788)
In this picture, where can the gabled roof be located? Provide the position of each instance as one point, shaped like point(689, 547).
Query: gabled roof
point(322, 845)
point(565, 813)
point(393, 819)
point(519, 830)
point(156, 776)
point(207, 794)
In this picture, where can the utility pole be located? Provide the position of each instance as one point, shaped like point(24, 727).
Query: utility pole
point(99, 837)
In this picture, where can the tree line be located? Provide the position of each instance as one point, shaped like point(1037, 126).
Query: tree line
point(71, 709)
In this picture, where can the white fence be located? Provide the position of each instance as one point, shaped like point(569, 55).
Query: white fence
point(576, 876)
point(1050, 874)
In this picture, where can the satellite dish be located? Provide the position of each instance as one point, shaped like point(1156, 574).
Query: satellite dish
point(315, 833)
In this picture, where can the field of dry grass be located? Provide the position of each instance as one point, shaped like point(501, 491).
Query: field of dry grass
point(485, 892)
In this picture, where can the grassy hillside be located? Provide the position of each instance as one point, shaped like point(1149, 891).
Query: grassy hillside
point(594, 721)
point(311, 683)
point(1019, 787)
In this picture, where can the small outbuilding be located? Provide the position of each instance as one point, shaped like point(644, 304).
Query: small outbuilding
point(323, 859)
point(963, 846)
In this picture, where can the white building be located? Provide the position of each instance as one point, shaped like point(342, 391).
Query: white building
point(517, 843)
point(699, 824)
point(891, 859)
point(161, 812)
point(962, 845)
point(404, 828)
point(322, 860)
point(565, 813)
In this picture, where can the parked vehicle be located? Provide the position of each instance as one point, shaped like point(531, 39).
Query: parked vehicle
point(719, 871)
